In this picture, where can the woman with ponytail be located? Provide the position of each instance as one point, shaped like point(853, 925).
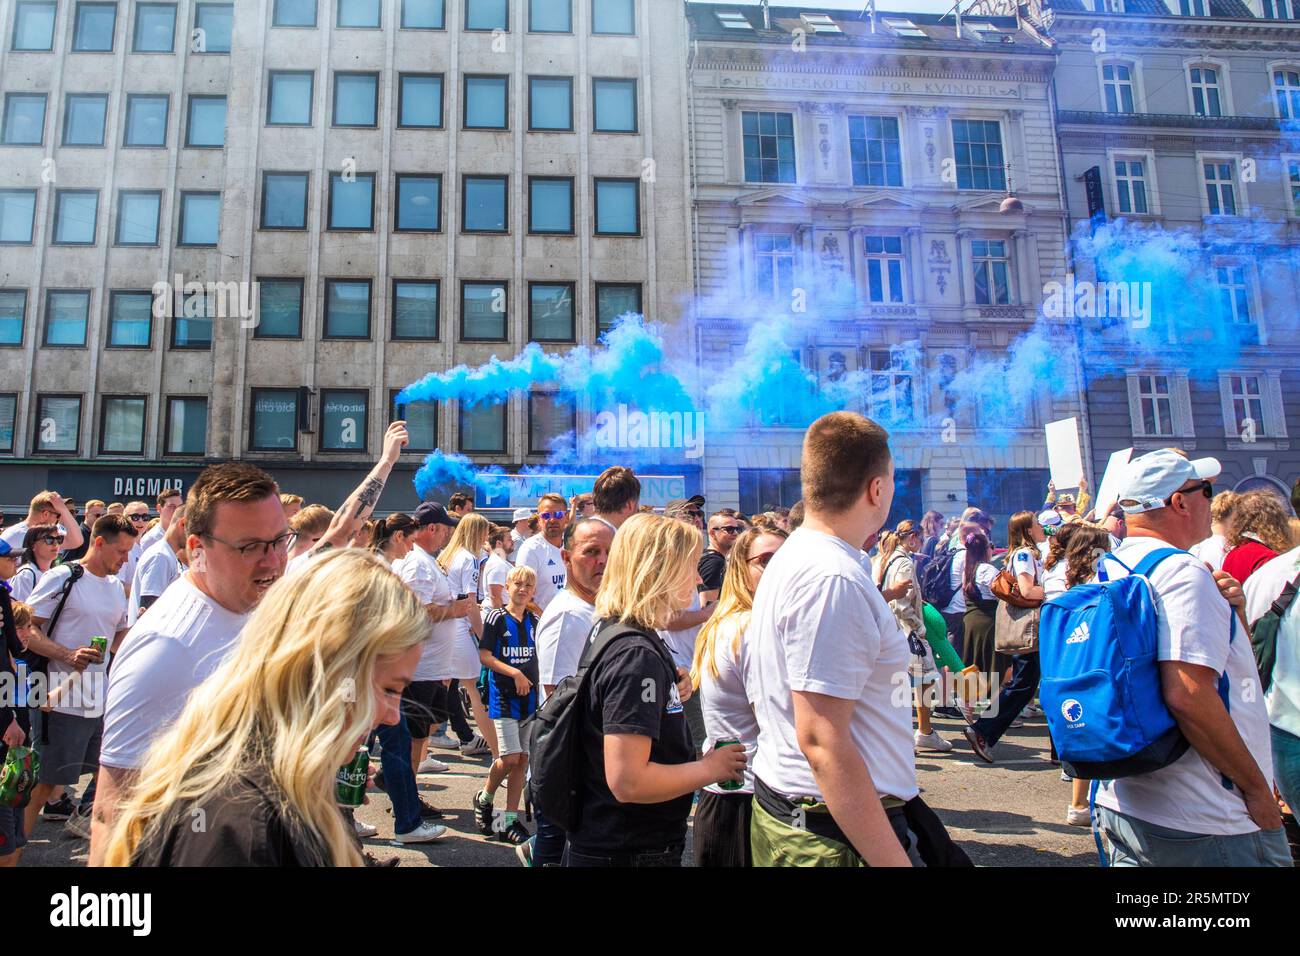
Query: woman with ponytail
point(392, 538)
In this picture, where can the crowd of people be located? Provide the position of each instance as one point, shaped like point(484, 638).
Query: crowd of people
point(214, 666)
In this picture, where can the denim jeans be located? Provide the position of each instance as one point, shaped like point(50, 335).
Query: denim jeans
point(1134, 842)
point(1015, 695)
point(668, 856)
point(399, 777)
point(549, 843)
point(1286, 767)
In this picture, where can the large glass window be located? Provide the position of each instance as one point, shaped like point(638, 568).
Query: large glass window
point(614, 300)
point(1206, 100)
point(769, 147)
point(618, 207)
point(207, 122)
point(347, 308)
point(415, 309)
point(200, 219)
point(279, 309)
point(289, 98)
point(1247, 394)
point(274, 425)
point(284, 200)
point(424, 14)
point(774, 259)
point(875, 151)
point(550, 16)
point(1131, 185)
point(8, 418)
point(356, 99)
point(17, 214)
point(192, 328)
point(613, 16)
point(1156, 403)
point(1221, 186)
point(121, 430)
point(1234, 295)
point(93, 25)
point(550, 103)
point(550, 312)
point(885, 266)
point(76, 213)
point(992, 270)
point(358, 14)
point(137, 217)
point(187, 426)
point(1286, 91)
point(24, 119)
point(1117, 86)
point(34, 26)
point(155, 28)
point(487, 14)
point(66, 313)
point(294, 13)
point(216, 21)
point(343, 418)
point(978, 147)
point(485, 204)
point(486, 102)
point(419, 100)
point(83, 119)
point(552, 424)
point(146, 119)
point(892, 377)
point(421, 422)
point(483, 311)
point(614, 106)
point(352, 201)
point(13, 308)
point(58, 423)
point(130, 320)
point(767, 488)
point(550, 205)
point(419, 203)
point(483, 429)
point(1293, 181)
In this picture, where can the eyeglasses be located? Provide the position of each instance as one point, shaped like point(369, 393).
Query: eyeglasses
point(729, 528)
point(761, 559)
point(552, 515)
point(260, 549)
point(52, 539)
point(138, 517)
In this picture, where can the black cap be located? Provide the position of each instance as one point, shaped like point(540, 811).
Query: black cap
point(696, 500)
point(430, 512)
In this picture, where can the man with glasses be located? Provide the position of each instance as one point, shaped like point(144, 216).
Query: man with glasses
point(724, 529)
point(237, 540)
point(46, 508)
point(542, 551)
point(137, 512)
point(1214, 806)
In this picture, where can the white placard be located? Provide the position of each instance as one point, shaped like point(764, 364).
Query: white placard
point(1108, 491)
point(1063, 458)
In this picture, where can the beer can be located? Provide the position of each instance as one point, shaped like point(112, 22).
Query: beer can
point(728, 784)
point(350, 784)
point(100, 644)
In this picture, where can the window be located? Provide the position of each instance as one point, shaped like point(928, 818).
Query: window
point(187, 426)
point(1234, 298)
point(24, 119)
point(58, 423)
point(419, 100)
point(618, 207)
point(206, 126)
point(1293, 181)
point(216, 21)
point(550, 205)
point(1131, 186)
point(552, 424)
point(991, 268)
point(288, 101)
point(13, 309)
point(884, 268)
point(550, 312)
point(485, 204)
point(550, 103)
point(616, 17)
point(343, 418)
point(1246, 393)
point(905, 28)
point(875, 151)
point(978, 148)
point(483, 311)
point(76, 213)
point(65, 317)
point(155, 28)
point(1117, 87)
point(614, 300)
point(83, 119)
point(1205, 91)
point(773, 265)
point(421, 422)
point(762, 489)
point(415, 309)
point(34, 26)
point(614, 106)
point(487, 14)
point(284, 201)
point(121, 430)
point(486, 102)
point(279, 309)
point(358, 14)
point(137, 217)
point(17, 215)
point(274, 424)
point(192, 327)
point(294, 13)
point(1155, 401)
point(550, 16)
point(820, 23)
point(1286, 90)
point(1277, 10)
point(483, 429)
point(8, 418)
point(347, 309)
point(419, 203)
point(769, 147)
point(200, 219)
point(1000, 491)
point(352, 201)
point(356, 99)
point(1220, 187)
point(93, 26)
point(424, 14)
point(1191, 8)
point(892, 377)
point(146, 120)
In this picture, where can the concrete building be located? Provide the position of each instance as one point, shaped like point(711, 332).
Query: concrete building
point(872, 159)
point(346, 195)
point(1180, 116)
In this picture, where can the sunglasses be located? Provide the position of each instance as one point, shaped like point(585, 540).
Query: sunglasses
point(1204, 486)
point(138, 517)
point(52, 539)
point(552, 515)
point(729, 528)
point(761, 559)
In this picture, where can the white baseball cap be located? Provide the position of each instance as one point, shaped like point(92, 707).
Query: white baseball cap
point(522, 514)
point(1152, 478)
point(1050, 520)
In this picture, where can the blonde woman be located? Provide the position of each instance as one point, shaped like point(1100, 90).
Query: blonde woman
point(460, 562)
point(722, 817)
point(637, 769)
point(255, 752)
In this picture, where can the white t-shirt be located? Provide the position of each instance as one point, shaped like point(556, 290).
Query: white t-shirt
point(463, 577)
point(96, 608)
point(22, 584)
point(1262, 589)
point(1053, 580)
point(561, 637)
point(152, 537)
point(1211, 550)
point(172, 650)
point(1193, 621)
point(984, 576)
point(1043, 548)
point(299, 562)
point(548, 561)
point(126, 574)
point(14, 534)
point(494, 572)
point(420, 572)
point(516, 539)
point(158, 568)
point(820, 626)
point(1026, 561)
point(681, 644)
point(726, 710)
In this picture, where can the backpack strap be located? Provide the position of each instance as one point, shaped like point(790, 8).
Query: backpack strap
point(1284, 600)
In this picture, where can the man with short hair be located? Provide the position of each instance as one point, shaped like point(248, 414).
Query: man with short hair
point(95, 509)
point(617, 496)
point(724, 529)
point(137, 512)
point(169, 500)
point(159, 566)
point(48, 507)
point(542, 551)
point(115, 508)
point(519, 531)
point(460, 504)
point(1214, 805)
point(237, 541)
point(292, 504)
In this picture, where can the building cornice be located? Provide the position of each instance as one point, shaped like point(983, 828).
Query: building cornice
point(1165, 121)
point(895, 63)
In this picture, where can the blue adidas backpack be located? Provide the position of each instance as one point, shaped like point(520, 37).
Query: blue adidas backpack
point(1100, 690)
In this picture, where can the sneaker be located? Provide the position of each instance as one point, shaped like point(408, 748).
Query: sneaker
point(79, 824)
point(1032, 710)
point(429, 765)
point(1066, 777)
point(1018, 722)
point(947, 713)
point(1078, 817)
point(516, 834)
point(931, 741)
point(968, 714)
point(978, 744)
point(426, 832)
point(524, 852)
point(364, 830)
point(444, 742)
point(475, 748)
point(60, 809)
point(429, 812)
point(483, 812)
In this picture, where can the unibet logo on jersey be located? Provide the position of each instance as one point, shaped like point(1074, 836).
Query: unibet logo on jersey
point(556, 579)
